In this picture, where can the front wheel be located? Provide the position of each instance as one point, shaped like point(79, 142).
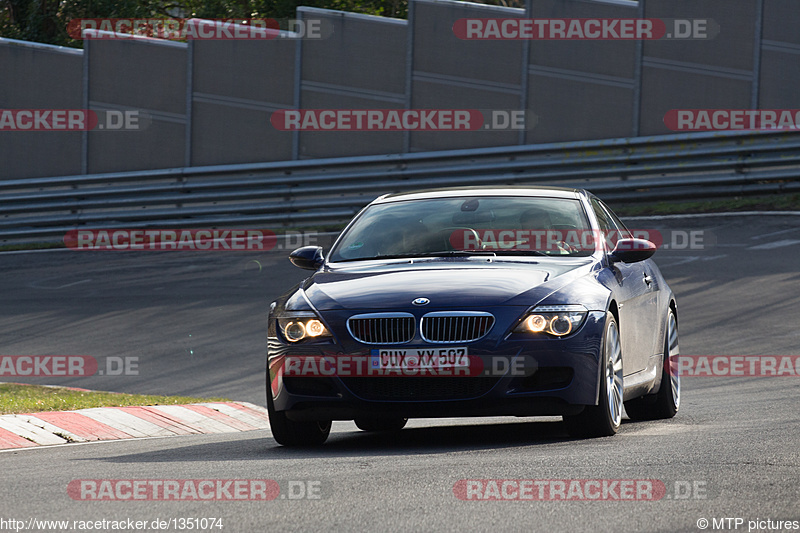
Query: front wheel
point(666, 402)
point(603, 419)
point(292, 433)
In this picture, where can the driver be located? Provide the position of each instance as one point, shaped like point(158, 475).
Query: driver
point(540, 221)
point(404, 237)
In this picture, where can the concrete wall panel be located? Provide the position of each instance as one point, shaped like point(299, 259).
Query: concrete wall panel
point(148, 76)
point(39, 77)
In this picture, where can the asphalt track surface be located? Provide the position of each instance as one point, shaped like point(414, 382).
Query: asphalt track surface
point(196, 323)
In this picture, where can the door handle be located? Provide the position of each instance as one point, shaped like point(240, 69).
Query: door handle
point(648, 279)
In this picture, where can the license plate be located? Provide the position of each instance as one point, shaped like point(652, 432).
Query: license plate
point(410, 358)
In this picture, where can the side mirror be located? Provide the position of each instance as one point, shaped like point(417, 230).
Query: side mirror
point(307, 257)
point(632, 250)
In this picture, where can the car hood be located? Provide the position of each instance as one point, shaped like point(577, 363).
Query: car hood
point(445, 283)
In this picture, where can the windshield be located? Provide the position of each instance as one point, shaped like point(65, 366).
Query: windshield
point(494, 225)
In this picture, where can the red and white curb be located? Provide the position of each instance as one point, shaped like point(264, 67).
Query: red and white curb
point(112, 423)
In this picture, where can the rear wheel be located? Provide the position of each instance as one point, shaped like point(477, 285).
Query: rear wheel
point(603, 419)
point(369, 423)
point(292, 433)
point(666, 402)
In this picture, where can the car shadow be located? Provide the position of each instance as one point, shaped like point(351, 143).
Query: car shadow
point(428, 440)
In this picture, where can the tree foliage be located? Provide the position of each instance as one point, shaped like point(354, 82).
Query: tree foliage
point(46, 21)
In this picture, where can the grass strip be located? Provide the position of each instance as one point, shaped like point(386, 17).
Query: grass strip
point(19, 398)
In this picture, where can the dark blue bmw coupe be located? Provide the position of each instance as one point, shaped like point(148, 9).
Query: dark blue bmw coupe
point(512, 301)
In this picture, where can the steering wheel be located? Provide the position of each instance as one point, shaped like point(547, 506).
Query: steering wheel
point(447, 235)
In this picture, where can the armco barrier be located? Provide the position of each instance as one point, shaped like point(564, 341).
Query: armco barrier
point(325, 191)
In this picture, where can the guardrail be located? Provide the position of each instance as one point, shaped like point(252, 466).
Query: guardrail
point(330, 191)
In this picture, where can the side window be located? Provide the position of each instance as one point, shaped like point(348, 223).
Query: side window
point(602, 218)
point(617, 222)
point(611, 228)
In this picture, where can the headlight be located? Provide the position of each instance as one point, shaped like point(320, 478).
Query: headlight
point(301, 328)
point(556, 320)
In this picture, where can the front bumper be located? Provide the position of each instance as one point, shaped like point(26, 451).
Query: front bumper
point(551, 376)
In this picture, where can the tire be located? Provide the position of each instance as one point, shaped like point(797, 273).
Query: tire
point(380, 424)
point(666, 402)
point(603, 419)
point(292, 433)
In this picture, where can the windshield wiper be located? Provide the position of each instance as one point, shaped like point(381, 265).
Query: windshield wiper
point(446, 253)
point(521, 252)
point(460, 253)
point(381, 256)
point(441, 253)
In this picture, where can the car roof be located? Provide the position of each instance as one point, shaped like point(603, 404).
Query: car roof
point(488, 190)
